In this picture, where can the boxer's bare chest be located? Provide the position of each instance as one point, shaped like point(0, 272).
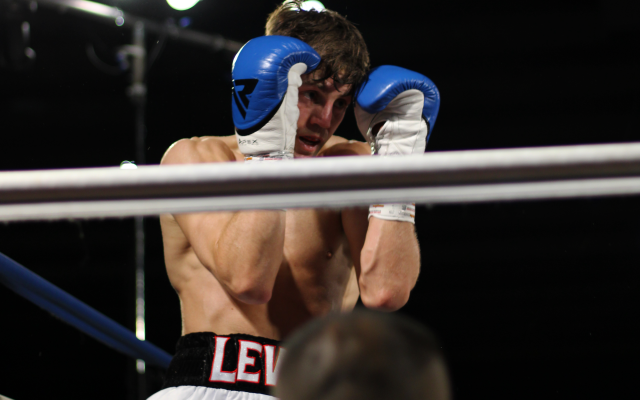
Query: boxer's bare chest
point(313, 235)
point(312, 279)
point(317, 254)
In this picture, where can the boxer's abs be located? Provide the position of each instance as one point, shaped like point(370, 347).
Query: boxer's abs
point(311, 281)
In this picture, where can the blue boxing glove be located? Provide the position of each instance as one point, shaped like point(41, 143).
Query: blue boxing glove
point(266, 77)
point(406, 104)
point(405, 101)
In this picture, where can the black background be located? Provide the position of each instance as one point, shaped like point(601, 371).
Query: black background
point(531, 299)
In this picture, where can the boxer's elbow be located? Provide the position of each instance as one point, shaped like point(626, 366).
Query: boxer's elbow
point(385, 299)
point(253, 294)
point(248, 286)
point(248, 290)
point(386, 282)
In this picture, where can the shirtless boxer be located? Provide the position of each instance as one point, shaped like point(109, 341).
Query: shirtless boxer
point(247, 279)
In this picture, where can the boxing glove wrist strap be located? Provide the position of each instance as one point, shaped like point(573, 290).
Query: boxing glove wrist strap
point(394, 212)
point(273, 156)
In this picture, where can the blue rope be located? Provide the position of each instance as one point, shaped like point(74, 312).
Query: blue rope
point(78, 314)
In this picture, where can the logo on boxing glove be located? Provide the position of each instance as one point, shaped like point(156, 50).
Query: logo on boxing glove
point(266, 75)
point(242, 96)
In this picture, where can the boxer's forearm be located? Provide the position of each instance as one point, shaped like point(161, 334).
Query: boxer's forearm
point(248, 254)
point(390, 264)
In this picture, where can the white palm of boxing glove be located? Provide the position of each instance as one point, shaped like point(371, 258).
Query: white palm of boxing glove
point(279, 134)
point(266, 76)
point(405, 102)
point(404, 131)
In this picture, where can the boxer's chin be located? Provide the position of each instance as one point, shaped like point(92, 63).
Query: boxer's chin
point(298, 155)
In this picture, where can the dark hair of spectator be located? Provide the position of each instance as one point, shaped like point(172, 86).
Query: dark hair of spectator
point(363, 355)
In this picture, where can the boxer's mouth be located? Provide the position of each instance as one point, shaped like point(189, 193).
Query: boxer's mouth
point(309, 143)
point(310, 140)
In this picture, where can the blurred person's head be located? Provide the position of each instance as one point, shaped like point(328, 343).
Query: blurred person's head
point(363, 355)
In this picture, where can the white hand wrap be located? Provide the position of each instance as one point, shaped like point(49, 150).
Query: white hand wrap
point(277, 156)
point(394, 212)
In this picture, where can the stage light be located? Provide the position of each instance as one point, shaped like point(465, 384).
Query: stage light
point(182, 4)
point(312, 5)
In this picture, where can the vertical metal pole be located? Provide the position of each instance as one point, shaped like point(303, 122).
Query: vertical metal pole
point(140, 306)
point(138, 89)
point(138, 93)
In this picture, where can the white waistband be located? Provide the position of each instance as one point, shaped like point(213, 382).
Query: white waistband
point(206, 393)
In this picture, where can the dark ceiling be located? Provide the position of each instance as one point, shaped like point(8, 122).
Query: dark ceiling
point(531, 300)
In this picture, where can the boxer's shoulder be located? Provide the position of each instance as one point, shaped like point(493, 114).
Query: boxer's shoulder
point(339, 146)
point(201, 150)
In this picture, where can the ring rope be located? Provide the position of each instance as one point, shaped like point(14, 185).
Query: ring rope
point(439, 177)
point(76, 313)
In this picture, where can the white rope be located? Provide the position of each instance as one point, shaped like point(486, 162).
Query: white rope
point(444, 177)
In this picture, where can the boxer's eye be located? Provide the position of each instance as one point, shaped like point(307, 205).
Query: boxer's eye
point(342, 104)
point(311, 95)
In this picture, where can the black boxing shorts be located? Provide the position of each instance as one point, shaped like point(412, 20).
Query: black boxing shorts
point(208, 366)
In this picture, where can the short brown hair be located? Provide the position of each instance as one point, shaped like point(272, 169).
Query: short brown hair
point(363, 355)
point(344, 53)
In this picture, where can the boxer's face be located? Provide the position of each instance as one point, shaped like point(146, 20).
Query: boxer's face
point(322, 107)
